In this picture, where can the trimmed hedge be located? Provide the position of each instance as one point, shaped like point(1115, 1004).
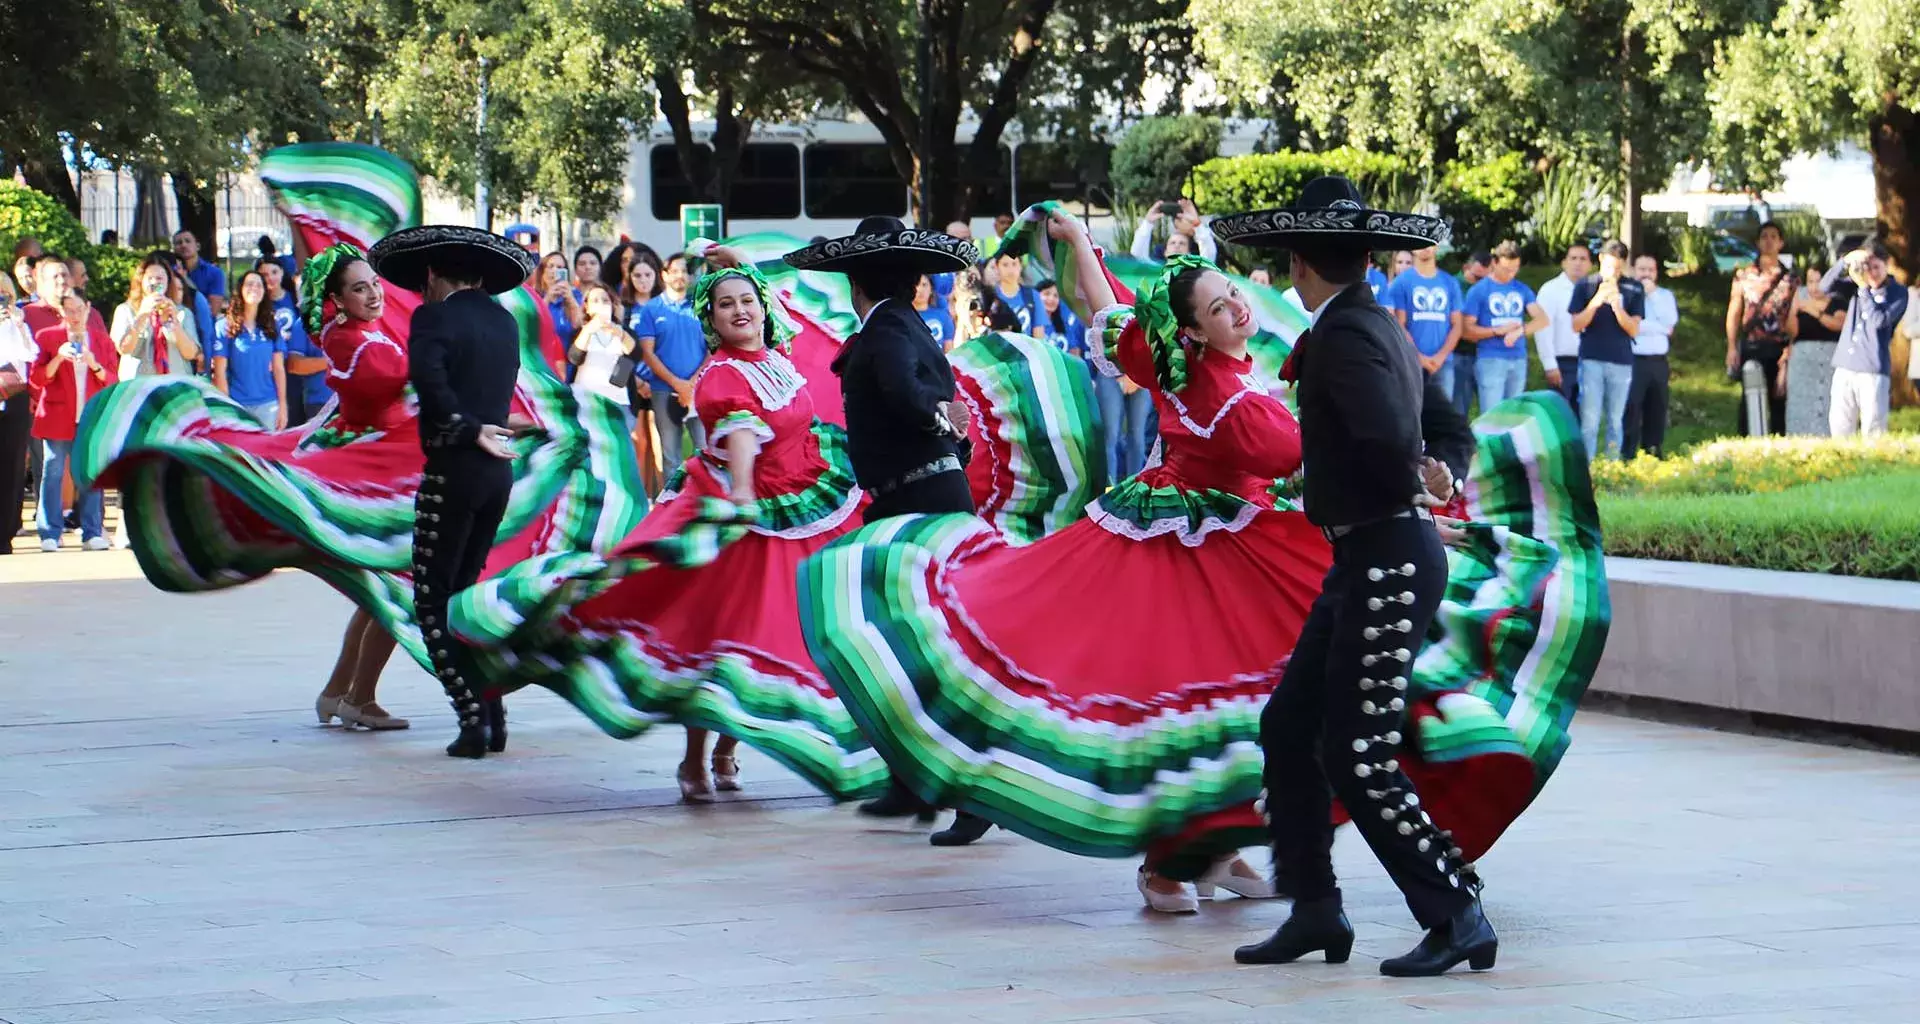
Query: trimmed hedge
point(1866, 526)
point(1745, 466)
point(1155, 157)
point(1486, 202)
point(110, 268)
point(1263, 180)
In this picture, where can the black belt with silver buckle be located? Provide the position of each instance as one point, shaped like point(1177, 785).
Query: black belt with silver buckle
point(943, 464)
point(1337, 532)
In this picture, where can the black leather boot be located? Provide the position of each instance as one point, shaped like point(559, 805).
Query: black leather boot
point(965, 829)
point(472, 742)
point(1314, 925)
point(898, 803)
point(496, 724)
point(1465, 936)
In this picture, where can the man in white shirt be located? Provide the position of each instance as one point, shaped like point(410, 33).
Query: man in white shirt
point(17, 353)
point(1646, 425)
point(1559, 344)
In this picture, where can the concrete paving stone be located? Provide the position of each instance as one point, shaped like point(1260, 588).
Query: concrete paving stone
point(174, 829)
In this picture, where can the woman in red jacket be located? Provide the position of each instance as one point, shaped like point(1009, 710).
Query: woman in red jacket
point(76, 361)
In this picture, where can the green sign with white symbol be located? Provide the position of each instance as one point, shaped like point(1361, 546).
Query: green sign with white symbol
point(700, 220)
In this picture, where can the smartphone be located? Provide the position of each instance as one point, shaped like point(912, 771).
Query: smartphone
point(561, 274)
point(1170, 208)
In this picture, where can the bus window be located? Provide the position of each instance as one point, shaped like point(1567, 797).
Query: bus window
point(993, 195)
point(1076, 175)
point(765, 187)
point(851, 181)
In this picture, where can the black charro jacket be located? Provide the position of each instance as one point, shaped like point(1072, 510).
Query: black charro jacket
point(1368, 414)
point(893, 377)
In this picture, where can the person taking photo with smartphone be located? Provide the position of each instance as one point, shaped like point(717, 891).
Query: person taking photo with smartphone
point(1188, 234)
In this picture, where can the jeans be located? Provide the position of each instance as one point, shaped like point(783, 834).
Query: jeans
point(1123, 415)
point(668, 417)
point(49, 518)
point(1444, 376)
point(1499, 380)
point(265, 412)
point(1603, 393)
point(1646, 428)
point(1464, 379)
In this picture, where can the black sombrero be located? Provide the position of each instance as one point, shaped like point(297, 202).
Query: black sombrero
point(1330, 209)
point(886, 241)
point(402, 257)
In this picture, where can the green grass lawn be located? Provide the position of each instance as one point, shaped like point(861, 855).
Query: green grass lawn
point(1863, 526)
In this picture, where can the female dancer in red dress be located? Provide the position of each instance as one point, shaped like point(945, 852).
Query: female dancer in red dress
point(1100, 689)
point(717, 646)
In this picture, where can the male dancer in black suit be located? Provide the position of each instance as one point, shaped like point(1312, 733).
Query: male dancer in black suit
point(463, 356)
point(906, 432)
point(1333, 726)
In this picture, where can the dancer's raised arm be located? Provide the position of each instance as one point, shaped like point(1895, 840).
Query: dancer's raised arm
point(1094, 286)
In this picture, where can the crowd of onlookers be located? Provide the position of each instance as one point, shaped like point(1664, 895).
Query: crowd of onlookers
point(1601, 336)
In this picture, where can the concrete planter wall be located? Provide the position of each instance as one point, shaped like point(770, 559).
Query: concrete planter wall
point(1836, 649)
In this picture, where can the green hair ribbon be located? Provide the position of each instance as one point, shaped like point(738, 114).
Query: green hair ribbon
point(1153, 308)
point(313, 283)
point(783, 332)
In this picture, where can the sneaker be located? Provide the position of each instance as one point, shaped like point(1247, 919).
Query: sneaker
point(49, 546)
point(96, 544)
point(120, 541)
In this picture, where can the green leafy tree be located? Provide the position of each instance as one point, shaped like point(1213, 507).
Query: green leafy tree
point(564, 94)
point(1156, 155)
point(1819, 72)
point(1609, 83)
point(1003, 62)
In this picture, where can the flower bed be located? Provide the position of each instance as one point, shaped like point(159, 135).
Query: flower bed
point(1736, 466)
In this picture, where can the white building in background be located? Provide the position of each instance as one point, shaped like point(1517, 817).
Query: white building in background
point(1838, 186)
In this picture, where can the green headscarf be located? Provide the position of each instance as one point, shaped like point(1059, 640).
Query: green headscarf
point(313, 283)
point(1153, 308)
point(703, 304)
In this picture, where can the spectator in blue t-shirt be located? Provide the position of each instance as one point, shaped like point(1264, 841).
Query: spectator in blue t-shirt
point(210, 281)
point(1501, 311)
point(1377, 281)
point(1063, 325)
point(551, 283)
point(249, 359)
point(308, 390)
point(672, 350)
point(1606, 311)
point(1426, 301)
point(933, 311)
point(1016, 306)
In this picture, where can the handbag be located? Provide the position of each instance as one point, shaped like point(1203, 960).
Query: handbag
point(623, 370)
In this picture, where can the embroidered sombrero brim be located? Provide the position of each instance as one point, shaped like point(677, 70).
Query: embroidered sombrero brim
point(914, 249)
point(402, 257)
point(1375, 229)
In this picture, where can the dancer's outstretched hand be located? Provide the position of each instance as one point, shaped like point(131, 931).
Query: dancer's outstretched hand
point(1450, 531)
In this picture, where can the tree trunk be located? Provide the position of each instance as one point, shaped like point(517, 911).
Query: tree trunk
point(675, 108)
point(196, 213)
point(730, 134)
point(45, 170)
point(1895, 141)
point(1630, 220)
point(149, 210)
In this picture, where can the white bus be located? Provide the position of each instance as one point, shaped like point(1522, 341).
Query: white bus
point(820, 178)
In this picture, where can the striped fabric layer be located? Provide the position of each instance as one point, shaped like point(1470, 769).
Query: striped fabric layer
point(1515, 644)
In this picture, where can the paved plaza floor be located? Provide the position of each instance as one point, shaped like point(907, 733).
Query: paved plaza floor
point(179, 842)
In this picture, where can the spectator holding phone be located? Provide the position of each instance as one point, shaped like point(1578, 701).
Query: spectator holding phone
point(1875, 303)
point(75, 361)
point(1607, 309)
point(551, 284)
point(154, 335)
point(1188, 234)
point(1016, 307)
